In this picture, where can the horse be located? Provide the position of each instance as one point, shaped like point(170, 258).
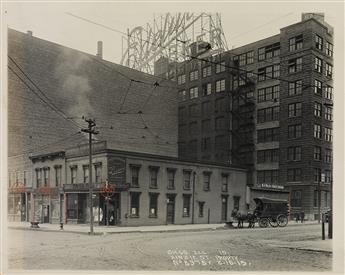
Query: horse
point(242, 216)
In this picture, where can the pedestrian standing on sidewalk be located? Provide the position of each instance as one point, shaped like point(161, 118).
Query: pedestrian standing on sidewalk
point(302, 216)
point(297, 217)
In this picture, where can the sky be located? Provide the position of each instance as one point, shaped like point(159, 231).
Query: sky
point(242, 22)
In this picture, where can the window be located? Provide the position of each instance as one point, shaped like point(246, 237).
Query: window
point(296, 43)
point(243, 79)
point(269, 94)
point(328, 113)
point(296, 198)
point(57, 176)
point(295, 65)
point(295, 109)
point(86, 173)
point(194, 75)
point(181, 79)
point(153, 176)
point(193, 128)
point(267, 176)
point(186, 179)
point(220, 67)
point(194, 92)
point(317, 153)
point(207, 181)
point(268, 135)
point(329, 92)
point(318, 87)
point(268, 114)
point(318, 65)
point(294, 153)
point(182, 95)
point(205, 125)
point(317, 175)
point(328, 155)
point(171, 178)
point(294, 131)
point(193, 148)
point(186, 205)
point(326, 198)
point(225, 178)
point(193, 110)
point(206, 89)
point(294, 174)
point(270, 72)
point(328, 176)
point(39, 177)
point(219, 105)
point(206, 144)
point(329, 70)
point(318, 42)
point(46, 171)
point(153, 210)
point(134, 175)
point(74, 175)
point(329, 49)
point(135, 204)
point(317, 109)
point(316, 198)
point(328, 134)
point(269, 51)
point(236, 202)
point(220, 85)
point(317, 131)
point(295, 88)
point(98, 172)
point(25, 178)
point(246, 58)
point(201, 208)
point(206, 71)
point(219, 123)
point(267, 156)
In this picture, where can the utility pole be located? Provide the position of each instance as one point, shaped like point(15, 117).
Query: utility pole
point(91, 131)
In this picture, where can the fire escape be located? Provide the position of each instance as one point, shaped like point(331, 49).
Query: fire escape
point(243, 124)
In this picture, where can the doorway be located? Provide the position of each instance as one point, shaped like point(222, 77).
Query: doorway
point(224, 215)
point(110, 210)
point(45, 209)
point(170, 209)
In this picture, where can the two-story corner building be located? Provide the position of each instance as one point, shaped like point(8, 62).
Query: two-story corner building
point(283, 130)
point(148, 189)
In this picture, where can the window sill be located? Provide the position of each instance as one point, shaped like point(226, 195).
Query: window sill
point(153, 216)
point(171, 188)
point(207, 190)
point(185, 216)
point(153, 187)
point(134, 216)
point(137, 186)
point(188, 189)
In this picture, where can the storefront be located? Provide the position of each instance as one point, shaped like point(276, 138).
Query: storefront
point(19, 203)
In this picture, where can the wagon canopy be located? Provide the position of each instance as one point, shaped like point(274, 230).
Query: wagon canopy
point(268, 200)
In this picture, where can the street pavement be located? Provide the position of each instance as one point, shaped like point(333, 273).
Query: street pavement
point(297, 247)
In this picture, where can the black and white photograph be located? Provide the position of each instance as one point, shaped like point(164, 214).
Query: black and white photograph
point(158, 137)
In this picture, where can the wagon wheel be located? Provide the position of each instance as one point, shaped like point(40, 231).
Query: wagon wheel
point(273, 221)
point(263, 222)
point(282, 220)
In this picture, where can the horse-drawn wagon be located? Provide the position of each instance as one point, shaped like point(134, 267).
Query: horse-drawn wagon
point(267, 212)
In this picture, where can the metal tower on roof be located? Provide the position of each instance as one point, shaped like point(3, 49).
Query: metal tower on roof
point(170, 36)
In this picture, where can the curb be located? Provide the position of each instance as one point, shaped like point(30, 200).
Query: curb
point(308, 249)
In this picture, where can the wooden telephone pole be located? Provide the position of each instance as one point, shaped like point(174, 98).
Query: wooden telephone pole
point(91, 131)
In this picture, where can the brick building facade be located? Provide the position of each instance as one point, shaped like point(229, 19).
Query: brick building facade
point(267, 105)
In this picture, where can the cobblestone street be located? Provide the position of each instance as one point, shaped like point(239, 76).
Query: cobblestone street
point(273, 249)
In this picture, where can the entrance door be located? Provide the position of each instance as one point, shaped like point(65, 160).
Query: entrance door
point(45, 213)
point(110, 210)
point(170, 209)
point(224, 216)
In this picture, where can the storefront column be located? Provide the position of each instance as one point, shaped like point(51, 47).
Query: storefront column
point(65, 206)
point(32, 208)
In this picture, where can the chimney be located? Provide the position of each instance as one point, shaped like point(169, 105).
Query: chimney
point(29, 33)
point(100, 49)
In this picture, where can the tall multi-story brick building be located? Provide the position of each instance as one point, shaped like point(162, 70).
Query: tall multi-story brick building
point(268, 105)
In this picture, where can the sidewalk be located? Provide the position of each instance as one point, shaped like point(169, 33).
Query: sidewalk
point(311, 245)
point(85, 228)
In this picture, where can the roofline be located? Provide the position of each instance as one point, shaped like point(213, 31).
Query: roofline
point(160, 157)
point(302, 22)
point(53, 154)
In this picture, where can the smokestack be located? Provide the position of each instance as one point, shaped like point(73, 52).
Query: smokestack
point(29, 33)
point(100, 49)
